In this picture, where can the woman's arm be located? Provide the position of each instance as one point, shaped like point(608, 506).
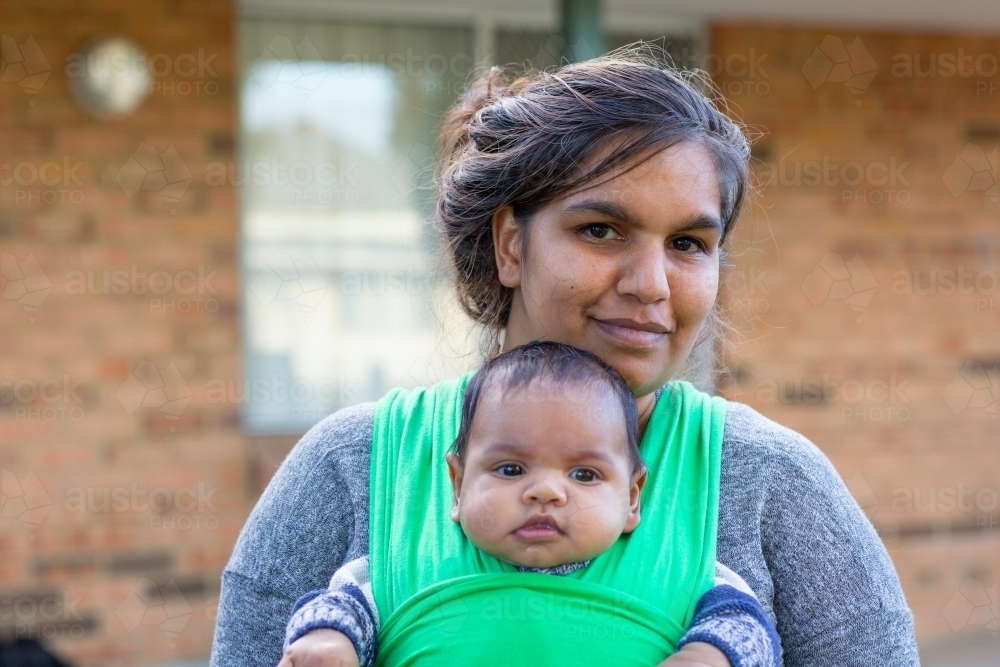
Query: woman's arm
point(790, 528)
point(312, 517)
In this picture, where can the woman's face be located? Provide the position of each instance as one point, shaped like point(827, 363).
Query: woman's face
point(627, 269)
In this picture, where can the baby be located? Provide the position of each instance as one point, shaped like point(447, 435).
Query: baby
point(547, 475)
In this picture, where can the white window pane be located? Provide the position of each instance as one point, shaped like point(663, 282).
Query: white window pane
point(343, 296)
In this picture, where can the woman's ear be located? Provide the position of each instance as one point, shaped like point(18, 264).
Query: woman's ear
point(507, 245)
point(455, 473)
point(634, 494)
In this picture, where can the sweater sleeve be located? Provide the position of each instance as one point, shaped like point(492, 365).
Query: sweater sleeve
point(791, 529)
point(346, 606)
point(730, 618)
point(311, 519)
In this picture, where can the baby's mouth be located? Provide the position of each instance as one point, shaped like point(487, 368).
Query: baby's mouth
point(539, 528)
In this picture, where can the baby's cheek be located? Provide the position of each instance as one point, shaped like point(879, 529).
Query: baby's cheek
point(482, 517)
point(586, 511)
point(596, 517)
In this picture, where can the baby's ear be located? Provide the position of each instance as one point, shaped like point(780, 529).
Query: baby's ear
point(455, 473)
point(634, 495)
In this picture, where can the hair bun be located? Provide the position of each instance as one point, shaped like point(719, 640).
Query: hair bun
point(458, 131)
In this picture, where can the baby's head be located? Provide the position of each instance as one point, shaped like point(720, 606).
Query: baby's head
point(546, 467)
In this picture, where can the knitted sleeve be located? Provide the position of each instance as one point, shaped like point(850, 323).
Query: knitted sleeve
point(346, 606)
point(730, 618)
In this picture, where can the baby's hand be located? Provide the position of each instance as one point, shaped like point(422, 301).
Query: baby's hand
point(321, 648)
point(697, 654)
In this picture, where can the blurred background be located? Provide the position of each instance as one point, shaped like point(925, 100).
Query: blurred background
point(214, 232)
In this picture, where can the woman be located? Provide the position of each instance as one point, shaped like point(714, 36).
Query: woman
point(590, 206)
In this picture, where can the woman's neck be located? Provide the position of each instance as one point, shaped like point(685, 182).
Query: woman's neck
point(645, 404)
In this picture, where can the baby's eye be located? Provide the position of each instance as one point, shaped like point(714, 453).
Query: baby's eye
point(510, 470)
point(584, 475)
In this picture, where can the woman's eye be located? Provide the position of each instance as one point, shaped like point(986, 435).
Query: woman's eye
point(686, 244)
point(600, 231)
point(584, 475)
point(510, 470)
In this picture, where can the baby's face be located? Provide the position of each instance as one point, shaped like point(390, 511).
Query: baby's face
point(546, 478)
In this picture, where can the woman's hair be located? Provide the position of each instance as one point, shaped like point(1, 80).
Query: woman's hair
point(562, 364)
point(523, 140)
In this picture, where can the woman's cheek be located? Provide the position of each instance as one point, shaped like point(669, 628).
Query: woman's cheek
point(555, 280)
point(572, 268)
point(694, 297)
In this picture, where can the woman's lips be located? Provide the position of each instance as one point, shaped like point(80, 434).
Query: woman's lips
point(633, 334)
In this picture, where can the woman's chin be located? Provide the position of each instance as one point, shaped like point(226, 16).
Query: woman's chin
point(641, 379)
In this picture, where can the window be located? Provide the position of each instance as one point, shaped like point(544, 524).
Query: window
point(343, 293)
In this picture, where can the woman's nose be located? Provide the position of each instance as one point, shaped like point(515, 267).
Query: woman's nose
point(643, 273)
point(546, 488)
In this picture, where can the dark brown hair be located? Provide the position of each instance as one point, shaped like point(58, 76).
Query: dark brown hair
point(522, 141)
point(562, 364)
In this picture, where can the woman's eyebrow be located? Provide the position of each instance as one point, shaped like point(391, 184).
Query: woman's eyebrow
point(605, 207)
point(709, 222)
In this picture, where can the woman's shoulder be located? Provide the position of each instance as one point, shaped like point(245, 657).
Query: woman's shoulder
point(752, 440)
point(774, 468)
point(350, 429)
point(340, 444)
point(791, 528)
point(337, 447)
point(345, 428)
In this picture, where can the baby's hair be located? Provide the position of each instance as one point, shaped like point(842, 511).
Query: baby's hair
point(559, 363)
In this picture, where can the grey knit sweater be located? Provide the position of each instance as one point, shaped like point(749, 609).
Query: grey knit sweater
point(787, 526)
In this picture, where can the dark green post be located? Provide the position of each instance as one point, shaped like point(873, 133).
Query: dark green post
point(583, 29)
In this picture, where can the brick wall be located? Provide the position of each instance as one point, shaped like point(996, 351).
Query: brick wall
point(866, 286)
point(123, 485)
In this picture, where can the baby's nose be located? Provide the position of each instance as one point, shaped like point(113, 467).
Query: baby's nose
point(547, 488)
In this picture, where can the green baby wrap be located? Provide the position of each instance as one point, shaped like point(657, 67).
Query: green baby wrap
point(442, 601)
